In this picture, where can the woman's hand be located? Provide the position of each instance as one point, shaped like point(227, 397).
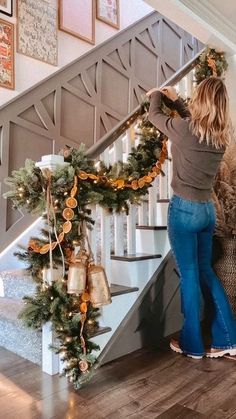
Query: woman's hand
point(149, 93)
point(170, 92)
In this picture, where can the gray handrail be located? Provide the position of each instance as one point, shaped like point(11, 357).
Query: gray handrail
point(123, 125)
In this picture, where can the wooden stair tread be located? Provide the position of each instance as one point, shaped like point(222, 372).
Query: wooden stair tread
point(135, 257)
point(121, 289)
point(151, 227)
point(101, 331)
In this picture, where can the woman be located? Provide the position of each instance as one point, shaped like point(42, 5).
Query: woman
point(199, 139)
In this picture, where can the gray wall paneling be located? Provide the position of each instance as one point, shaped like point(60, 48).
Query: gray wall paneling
point(84, 100)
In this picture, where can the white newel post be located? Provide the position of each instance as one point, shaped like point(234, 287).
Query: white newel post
point(50, 360)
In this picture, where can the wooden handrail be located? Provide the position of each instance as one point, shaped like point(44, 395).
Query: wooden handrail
point(123, 125)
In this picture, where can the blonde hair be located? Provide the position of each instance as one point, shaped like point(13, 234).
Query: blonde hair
point(209, 109)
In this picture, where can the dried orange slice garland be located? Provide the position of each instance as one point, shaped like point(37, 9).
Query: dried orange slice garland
point(71, 202)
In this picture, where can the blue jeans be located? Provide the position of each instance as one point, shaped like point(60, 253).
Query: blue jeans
point(190, 228)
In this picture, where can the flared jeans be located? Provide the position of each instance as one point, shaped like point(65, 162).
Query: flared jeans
point(190, 228)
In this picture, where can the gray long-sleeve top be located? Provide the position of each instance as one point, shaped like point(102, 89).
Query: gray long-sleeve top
point(194, 164)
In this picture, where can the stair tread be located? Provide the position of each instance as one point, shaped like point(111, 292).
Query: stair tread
point(135, 257)
point(117, 289)
point(101, 331)
point(143, 227)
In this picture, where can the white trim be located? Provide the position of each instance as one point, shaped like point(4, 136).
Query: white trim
point(205, 14)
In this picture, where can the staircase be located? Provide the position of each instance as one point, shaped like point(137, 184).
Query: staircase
point(142, 276)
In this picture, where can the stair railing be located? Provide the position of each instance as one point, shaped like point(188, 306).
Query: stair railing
point(117, 233)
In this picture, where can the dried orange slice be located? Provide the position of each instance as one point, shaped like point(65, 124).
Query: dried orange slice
point(45, 249)
point(34, 246)
point(83, 307)
point(68, 214)
point(67, 226)
point(134, 184)
point(147, 179)
point(85, 297)
point(54, 244)
point(156, 170)
point(71, 202)
point(141, 183)
point(83, 175)
point(120, 183)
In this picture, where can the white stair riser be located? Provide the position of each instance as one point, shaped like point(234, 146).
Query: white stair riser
point(134, 274)
point(152, 241)
point(7, 258)
point(162, 212)
point(113, 314)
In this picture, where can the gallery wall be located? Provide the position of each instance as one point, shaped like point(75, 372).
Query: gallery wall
point(29, 71)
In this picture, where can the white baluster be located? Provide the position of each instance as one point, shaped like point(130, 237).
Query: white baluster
point(105, 241)
point(105, 156)
point(182, 87)
point(190, 84)
point(119, 234)
point(130, 139)
point(163, 182)
point(131, 230)
point(152, 203)
point(92, 234)
point(118, 150)
point(142, 213)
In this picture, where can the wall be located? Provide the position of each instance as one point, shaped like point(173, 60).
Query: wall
point(30, 71)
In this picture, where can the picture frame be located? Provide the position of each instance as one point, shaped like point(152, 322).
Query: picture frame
point(77, 18)
point(108, 11)
point(6, 7)
point(37, 30)
point(7, 70)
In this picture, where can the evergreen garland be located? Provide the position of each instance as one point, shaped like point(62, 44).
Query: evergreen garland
point(210, 63)
point(28, 186)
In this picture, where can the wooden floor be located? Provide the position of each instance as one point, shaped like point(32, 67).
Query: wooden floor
point(146, 384)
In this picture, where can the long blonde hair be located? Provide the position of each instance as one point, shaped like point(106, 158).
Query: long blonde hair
point(209, 109)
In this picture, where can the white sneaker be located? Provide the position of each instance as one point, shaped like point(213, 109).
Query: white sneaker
point(218, 353)
point(174, 345)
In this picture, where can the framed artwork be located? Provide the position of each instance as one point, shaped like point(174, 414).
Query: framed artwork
point(37, 29)
point(7, 54)
point(77, 17)
point(109, 12)
point(6, 7)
